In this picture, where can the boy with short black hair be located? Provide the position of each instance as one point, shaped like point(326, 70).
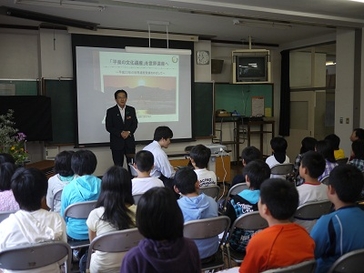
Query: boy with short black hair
point(312, 166)
point(340, 232)
point(246, 201)
point(162, 167)
point(144, 162)
point(195, 206)
point(283, 243)
point(335, 142)
point(357, 154)
point(31, 224)
point(248, 154)
point(199, 157)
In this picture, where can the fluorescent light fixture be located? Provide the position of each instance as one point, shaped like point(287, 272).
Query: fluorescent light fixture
point(41, 17)
point(360, 1)
point(156, 50)
point(330, 63)
point(262, 24)
point(62, 4)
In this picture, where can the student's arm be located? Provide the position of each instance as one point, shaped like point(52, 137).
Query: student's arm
point(165, 166)
point(91, 235)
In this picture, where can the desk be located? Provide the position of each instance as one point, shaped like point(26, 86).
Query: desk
point(261, 130)
point(46, 166)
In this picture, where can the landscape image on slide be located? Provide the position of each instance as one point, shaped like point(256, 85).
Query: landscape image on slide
point(150, 95)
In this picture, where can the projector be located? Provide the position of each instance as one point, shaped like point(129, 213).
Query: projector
point(216, 148)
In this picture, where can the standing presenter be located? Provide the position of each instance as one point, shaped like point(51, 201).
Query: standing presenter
point(121, 123)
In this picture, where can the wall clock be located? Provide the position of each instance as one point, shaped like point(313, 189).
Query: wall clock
point(202, 57)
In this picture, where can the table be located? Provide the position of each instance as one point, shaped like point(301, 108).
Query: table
point(261, 130)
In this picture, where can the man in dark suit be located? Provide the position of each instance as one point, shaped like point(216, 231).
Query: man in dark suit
point(121, 123)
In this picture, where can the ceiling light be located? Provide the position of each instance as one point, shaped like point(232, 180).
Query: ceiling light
point(62, 4)
point(260, 23)
point(155, 50)
point(330, 63)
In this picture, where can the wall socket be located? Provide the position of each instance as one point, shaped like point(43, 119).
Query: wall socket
point(341, 120)
point(347, 120)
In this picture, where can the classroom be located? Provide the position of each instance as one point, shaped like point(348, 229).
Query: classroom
point(47, 61)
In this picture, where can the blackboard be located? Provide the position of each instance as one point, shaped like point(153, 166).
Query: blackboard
point(202, 109)
point(208, 97)
point(62, 94)
point(19, 87)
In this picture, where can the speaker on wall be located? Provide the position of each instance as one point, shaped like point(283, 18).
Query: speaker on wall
point(216, 66)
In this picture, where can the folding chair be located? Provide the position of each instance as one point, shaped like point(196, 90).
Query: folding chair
point(208, 228)
point(56, 198)
point(136, 198)
point(116, 241)
point(307, 214)
point(5, 214)
point(304, 267)
point(234, 190)
point(247, 221)
point(350, 262)
point(325, 180)
point(33, 256)
point(79, 210)
point(342, 161)
point(282, 169)
point(212, 191)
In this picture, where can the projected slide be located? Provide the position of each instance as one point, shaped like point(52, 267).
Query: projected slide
point(158, 86)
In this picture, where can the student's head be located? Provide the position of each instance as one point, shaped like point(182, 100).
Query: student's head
point(144, 160)
point(29, 187)
point(4, 157)
point(314, 163)
point(308, 144)
point(185, 181)
point(357, 148)
point(256, 171)
point(280, 197)
point(121, 97)
point(62, 163)
point(158, 215)
point(334, 140)
point(83, 162)
point(115, 197)
point(200, 156)
point(163, 134)
point(347, 182)
point(279, 147)
point(7, 170)
point(324, 147)
point(250, 153)
point(358, 133)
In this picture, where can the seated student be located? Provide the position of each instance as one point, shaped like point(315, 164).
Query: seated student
point(324, 147)
point(283, 243)
point(162, 167)
point(86, 187)
point(248, 154)
point(358, 133)
point(115, 210)
point(279, 147)
point(31, 224)
point(247, 201)
point(144, 162)
point(335, 142)
point(164, 248)
point(195, 206)
point(199, 157)
point(307, 144)
point(312, 166)
point(340, 231)
point(7, 199)
point(63, 175)
point(357, 154)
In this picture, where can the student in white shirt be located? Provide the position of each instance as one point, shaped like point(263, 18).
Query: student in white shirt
point(199, 157)
point(144, 162)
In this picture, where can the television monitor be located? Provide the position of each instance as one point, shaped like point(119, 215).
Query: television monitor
point(251, 67)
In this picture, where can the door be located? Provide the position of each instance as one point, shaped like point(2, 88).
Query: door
point(301, 120)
